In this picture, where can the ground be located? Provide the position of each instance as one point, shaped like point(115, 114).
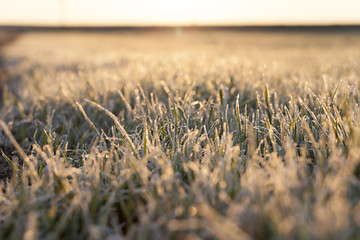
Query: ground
point(200, 135)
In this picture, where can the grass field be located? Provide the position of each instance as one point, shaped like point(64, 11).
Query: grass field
point(194, 135)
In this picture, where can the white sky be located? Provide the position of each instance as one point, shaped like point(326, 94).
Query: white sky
point(171, 12)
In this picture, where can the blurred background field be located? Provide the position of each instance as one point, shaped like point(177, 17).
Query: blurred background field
point(181, 58)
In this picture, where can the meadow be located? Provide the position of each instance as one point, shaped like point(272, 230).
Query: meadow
point(181, 135)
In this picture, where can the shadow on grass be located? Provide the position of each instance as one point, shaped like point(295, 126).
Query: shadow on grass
point(5, 38)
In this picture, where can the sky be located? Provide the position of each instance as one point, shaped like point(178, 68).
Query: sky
point(180, 12)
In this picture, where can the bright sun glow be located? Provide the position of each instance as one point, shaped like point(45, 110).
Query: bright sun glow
point(185, 12)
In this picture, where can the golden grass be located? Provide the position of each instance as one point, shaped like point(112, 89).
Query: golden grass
point(208, 135)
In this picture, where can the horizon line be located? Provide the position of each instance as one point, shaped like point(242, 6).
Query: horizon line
point(179, 24)
point(275, 27)
point(174, 25)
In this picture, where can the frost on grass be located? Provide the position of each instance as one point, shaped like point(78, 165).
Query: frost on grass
point(205, 136)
